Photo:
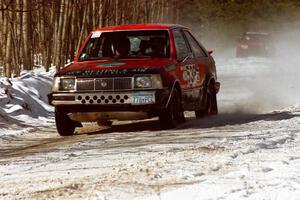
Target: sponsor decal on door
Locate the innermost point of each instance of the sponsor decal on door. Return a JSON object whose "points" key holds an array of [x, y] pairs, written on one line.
{"points": [[191, 74]]}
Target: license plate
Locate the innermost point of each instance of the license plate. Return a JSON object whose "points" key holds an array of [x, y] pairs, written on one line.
{"points": [[143, 98]]}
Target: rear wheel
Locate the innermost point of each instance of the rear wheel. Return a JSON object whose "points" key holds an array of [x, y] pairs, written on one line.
{"points": [[64, 125], [213, 108], [173, 114], [211, 105]]}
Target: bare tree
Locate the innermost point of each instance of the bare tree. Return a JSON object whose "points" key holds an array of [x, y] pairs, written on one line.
{"points": [[54, 30], [27, 34]]}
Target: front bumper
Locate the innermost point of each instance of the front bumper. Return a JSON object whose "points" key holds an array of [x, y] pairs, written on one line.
{"points": [[149, 101]]}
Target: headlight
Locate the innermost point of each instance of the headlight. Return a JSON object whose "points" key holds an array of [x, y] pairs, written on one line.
{"points": [[148, 81], [142, 82], [63, 84], [244, 46], [67, 84]]}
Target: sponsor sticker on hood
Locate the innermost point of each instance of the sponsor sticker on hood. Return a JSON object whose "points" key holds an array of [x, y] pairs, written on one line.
{"points": [[112, 72], [111, 64]]}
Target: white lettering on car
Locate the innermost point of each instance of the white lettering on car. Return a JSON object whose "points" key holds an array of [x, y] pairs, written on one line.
{"points": [[96, 35]]}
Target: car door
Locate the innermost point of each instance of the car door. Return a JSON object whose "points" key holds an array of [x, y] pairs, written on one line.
{"points": [[204, 61], [186, 69]]}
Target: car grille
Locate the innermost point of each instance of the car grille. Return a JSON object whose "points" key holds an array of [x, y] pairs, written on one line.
{"points": [[104, 84]]}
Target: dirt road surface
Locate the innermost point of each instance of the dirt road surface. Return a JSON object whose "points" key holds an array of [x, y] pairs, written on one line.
{"points": [[243, 153]]}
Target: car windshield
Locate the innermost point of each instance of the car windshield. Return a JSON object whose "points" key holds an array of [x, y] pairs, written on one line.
{"points": [[126, 45], [256, 36]]}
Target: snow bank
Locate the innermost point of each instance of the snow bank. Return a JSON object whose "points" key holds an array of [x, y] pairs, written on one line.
{"points": [[23, 101]]}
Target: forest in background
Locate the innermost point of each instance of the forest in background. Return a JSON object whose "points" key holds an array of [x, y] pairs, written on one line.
{"points": [[37, 32], [220, 23]]}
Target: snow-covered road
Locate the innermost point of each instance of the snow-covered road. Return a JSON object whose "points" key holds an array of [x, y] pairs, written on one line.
{"points": [[251, 150]]}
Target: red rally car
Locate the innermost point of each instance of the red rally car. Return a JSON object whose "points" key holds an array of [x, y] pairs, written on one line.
{"points": [[133, 72]]}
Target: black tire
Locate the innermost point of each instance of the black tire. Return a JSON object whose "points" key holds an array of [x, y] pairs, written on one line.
{"points": [[173, 114], [104, 123], [200, 113], [213, 109], [64, 125], [211, 105]]}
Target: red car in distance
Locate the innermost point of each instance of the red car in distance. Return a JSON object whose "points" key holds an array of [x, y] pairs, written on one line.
{"points": [[135, 72], [256, 44]]}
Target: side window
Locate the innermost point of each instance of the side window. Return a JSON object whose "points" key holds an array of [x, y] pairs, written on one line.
{"points": [[198, 51], [182, 50]]}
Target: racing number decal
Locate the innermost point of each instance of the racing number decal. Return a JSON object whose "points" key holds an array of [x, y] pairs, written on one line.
{"points": [[191, 74]]}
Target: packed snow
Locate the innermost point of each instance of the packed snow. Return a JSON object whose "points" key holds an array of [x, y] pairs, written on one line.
{"points": [[249, 151]]}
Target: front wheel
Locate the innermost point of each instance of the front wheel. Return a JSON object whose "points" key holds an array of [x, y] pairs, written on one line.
{"points": [[64, 125], [173, 114]]}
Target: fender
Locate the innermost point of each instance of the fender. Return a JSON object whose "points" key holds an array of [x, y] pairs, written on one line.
{"points": [[210, 80]]}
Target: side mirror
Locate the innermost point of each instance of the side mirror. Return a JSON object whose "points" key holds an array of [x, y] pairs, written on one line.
{"points": [[210, 52]]}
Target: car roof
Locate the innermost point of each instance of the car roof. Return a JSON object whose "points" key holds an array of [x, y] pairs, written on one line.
{"points": [[141, 27]]}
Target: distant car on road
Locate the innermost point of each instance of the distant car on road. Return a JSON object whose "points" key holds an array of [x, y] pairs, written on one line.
{"points": [[135, 72], [255, 44]]}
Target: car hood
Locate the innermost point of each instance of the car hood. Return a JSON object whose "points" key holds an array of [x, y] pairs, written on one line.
{"points": [[115, 67]]}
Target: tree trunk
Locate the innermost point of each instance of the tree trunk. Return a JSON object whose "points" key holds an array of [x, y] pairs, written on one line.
{"points": [[27, 34], [8, 50], [19, 52], [59, 36], [83, 28], [2, 31]]}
